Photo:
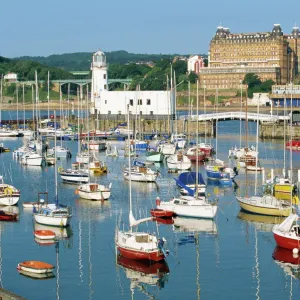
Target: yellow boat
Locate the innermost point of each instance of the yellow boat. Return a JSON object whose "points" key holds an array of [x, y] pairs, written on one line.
{"points": [[97, 167], [266, 205]]}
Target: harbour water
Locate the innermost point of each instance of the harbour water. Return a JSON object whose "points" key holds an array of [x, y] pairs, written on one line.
{"points": [[228, 258]]}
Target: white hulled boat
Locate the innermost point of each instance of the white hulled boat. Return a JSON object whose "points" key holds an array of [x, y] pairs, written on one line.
{"points": [[32, 159], [9, 195], [179, 161], [94, 191]]}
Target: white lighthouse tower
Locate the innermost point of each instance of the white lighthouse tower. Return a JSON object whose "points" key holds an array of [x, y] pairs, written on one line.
{"points": [[99, 75]]}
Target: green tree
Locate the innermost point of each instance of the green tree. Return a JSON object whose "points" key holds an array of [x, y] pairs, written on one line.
{"points": [[192, 77], [251, 80]]}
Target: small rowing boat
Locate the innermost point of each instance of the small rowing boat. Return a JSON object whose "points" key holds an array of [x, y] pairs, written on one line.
{"points": [[160, 213], [35, 266], [44, 234]]}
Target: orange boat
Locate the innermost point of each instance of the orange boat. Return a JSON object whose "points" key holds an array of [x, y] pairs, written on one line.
{"points": [[44, 234], [160, 213], [35, 266]]}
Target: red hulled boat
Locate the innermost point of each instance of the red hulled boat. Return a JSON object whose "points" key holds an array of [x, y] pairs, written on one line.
{"points": [[192, 154], [287, 234], [207, 149], [160, 213], [294, 144]]}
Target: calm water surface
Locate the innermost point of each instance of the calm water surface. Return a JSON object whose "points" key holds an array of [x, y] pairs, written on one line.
{"points": [[228, 258]]}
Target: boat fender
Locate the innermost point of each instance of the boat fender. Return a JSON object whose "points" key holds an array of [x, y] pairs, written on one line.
{"points": [[157, 201], [8, 191]]}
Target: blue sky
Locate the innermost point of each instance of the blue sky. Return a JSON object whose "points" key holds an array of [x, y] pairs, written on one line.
{"points": [[36, 27]]}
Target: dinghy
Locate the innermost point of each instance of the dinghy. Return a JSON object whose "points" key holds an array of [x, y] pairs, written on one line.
{"points": [[35, 266]]}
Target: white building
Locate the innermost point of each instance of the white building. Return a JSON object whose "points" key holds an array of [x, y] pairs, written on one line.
{"points": [[261, 99], [11, 77], [108, 104], [195, 63]]}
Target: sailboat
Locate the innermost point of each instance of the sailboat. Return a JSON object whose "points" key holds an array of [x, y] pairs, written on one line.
{"points": [[218, 171], [255, 165], [4, 131], [76, 174], [135, 244], [191, 205], [9, 195], [287, 234], [52, 214], [93, 191]]}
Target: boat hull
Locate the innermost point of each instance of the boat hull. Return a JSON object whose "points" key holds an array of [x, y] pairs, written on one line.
{"points": [[9, 200], [52, 221], [36, 267], [286, 242], [158, 157], [159, 213], [74, 178], [141, 255], [141, 177], [252, 208]]}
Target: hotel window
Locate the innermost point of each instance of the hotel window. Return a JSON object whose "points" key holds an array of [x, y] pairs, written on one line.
{"points": [[151, 113], [140, 102], [105, 101], [131, 102], [109, 112], [119, 112], [141, 113], [104, 76], [148, 102], [105, 86]]}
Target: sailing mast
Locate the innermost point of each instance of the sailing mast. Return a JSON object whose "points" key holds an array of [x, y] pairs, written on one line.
{"points": [[78, 109], [204, 104], [23, 107], [241, 114], [131, 218], [217, 103], [284, 137], [197, 143], [256, 157], [291, 140], [17, 91], [55, 159], [36, 102], [48, 95]]}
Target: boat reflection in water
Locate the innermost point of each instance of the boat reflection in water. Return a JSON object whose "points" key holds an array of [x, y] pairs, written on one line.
{"points": [[261, 222], [93, 210], [220, 190], [142, 273], [289, 261], [37, 275], [61, 233], [182, 224]]}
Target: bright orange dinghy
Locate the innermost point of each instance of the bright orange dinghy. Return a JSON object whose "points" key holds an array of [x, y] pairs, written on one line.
{"points": [[35, 266]]}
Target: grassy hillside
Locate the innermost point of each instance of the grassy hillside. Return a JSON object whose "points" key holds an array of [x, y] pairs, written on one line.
{"points": [[81, 61]]}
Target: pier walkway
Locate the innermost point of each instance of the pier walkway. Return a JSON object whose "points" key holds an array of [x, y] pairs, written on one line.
{"points": [[234, 115]]}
